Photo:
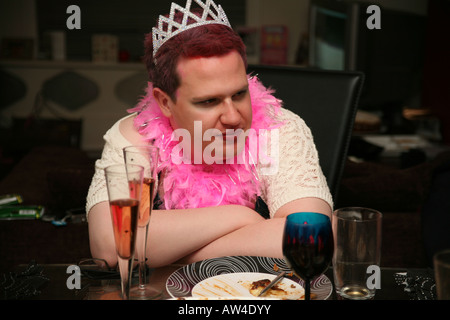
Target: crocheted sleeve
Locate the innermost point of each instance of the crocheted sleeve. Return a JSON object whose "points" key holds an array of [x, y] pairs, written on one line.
{"points": [[299, 174], [112, 154]]}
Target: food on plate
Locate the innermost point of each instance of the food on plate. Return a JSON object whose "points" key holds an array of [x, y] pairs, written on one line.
{"points": [[275, 292], [276, 269], [260, 285], [247, 284]]}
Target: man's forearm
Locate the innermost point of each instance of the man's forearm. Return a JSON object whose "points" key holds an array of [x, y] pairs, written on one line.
{"points": [[174, 234], [258, 239]]}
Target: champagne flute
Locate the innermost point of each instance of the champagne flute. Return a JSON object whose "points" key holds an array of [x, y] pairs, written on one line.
{"points": [[124, 184], [308, 245], [146, 156]]}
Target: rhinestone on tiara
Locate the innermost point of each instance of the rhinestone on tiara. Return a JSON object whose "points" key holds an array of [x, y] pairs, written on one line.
{"points": [[173, 28]]}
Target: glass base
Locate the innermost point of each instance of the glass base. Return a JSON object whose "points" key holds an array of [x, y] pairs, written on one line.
{"points": [[355, 292], [144, 293]]}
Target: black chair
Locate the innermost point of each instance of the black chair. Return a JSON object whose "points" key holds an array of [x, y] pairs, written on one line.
{"points": [[327, 101]]}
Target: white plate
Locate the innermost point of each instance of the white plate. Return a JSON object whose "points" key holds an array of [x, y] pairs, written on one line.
{"points": [[239, 284], [181, 283]]}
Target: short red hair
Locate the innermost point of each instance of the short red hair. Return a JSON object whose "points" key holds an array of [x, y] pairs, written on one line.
{"points": [[203, 41]]}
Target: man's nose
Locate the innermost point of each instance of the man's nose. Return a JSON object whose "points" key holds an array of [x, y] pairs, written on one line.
{"points": [[230, 115]]}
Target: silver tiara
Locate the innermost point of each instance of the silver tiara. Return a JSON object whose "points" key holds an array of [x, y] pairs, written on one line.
{"points": [[173, 28]]}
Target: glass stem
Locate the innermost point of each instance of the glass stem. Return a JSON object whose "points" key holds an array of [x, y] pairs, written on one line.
{"points": [[307, 289], [142, 234], [125, 268]]}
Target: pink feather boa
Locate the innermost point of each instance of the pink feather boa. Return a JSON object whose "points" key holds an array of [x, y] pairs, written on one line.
{"points": [[201, 185]]}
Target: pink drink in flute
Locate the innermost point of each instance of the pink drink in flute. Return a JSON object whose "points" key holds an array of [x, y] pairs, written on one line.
{"points": [[124, 183], [124, 214]]}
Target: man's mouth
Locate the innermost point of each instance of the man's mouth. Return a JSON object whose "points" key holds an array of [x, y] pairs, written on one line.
{"points": [[231, 136]]}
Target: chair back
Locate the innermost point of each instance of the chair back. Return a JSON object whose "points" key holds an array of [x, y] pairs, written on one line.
{"points": [[327, 101]]}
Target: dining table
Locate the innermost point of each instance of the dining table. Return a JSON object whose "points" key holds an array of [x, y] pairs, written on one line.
{"points": [[95, 293], [98, 284]]}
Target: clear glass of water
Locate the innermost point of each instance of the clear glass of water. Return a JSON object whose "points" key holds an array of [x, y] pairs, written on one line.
{"points": [[357, 251]]}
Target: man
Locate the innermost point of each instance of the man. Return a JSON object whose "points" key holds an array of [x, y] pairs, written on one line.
{"points": [[199, 85]]}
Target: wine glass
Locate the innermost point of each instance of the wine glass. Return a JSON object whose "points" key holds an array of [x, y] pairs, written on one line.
{"points": [[308, 245], [124, 184], [146, 156]]}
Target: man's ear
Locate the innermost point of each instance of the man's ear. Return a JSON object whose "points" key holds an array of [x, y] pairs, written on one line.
{"points": [[164, 102]]}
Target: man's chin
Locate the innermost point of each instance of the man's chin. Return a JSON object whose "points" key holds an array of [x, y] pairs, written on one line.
{"points": [[227, 153]]}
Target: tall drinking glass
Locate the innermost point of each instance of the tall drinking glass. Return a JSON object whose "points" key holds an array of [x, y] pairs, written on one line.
{"points": [[147, 157], [124, 183], [357, 252], [308, 245]]}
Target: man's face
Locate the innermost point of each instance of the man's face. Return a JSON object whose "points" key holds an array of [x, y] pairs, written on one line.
{"points": [[215, 92]]}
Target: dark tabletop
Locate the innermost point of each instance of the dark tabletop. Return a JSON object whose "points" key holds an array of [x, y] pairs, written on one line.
{"points": [[58, 275]]}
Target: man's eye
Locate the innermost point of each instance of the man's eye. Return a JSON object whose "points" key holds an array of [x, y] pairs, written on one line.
{"points": [[207, 102], [240, 94]]}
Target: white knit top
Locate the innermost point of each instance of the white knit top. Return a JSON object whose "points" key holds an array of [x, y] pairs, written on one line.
{"points": [[298, 173]]}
